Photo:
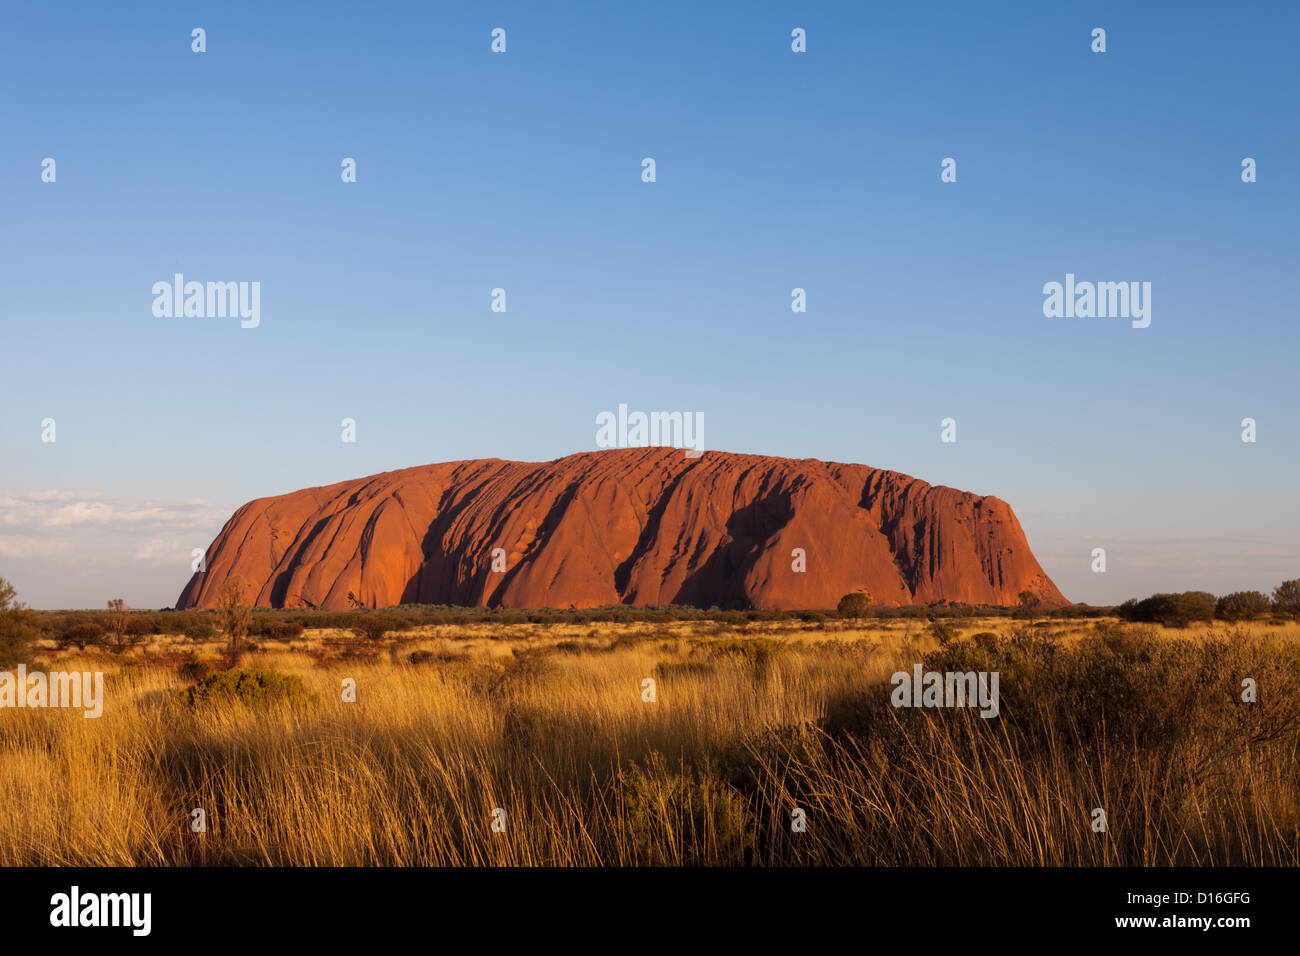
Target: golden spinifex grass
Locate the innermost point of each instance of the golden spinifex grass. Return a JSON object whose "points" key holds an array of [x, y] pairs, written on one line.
{"points": [[548, 723]]}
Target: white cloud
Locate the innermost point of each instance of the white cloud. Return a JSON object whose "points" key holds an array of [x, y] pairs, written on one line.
{"points": [[159, 553], [79, 548], [25, 546], [37, 511]]}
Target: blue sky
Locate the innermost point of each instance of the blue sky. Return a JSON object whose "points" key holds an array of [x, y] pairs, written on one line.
{"points": [[775, 170]]}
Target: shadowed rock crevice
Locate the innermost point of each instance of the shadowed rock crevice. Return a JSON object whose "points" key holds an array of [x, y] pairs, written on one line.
{"points": [[720, 579], [649, 534]]}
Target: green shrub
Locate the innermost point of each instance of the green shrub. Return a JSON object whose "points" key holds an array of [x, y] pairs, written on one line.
{"points": [[1241, 606], [79, 634], [1028, 606], [854, 605], [1171, 610], [200, 629], [139, 627], [252, 687]]}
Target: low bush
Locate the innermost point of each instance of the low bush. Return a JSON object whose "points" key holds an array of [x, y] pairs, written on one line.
{"points": [[251, 687], [1241, 606], [854, 605], [1171, 610], [759, 652], [943, 632], [200, 629]]}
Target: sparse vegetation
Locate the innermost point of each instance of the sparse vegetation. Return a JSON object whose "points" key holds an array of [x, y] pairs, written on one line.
{"points": [[200, 628], [371, 627], [943, 632], [753, 718], [121, 632], [16, 630], [1029, 602], [235, 613]]}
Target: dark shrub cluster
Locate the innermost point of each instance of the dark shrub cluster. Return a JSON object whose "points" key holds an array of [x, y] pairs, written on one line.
{"points": [[854, 605], [1241, 606], [252, 686], [1172, 610], [16, 629]]}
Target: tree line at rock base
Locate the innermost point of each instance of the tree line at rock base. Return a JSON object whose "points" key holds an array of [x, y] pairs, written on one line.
{"points": [[118, 628]]}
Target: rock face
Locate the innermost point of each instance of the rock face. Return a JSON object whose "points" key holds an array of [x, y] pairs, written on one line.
{"points": [[644, 526]]}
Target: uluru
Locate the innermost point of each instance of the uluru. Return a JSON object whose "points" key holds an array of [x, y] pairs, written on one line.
{"points": [[638, 526]]}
